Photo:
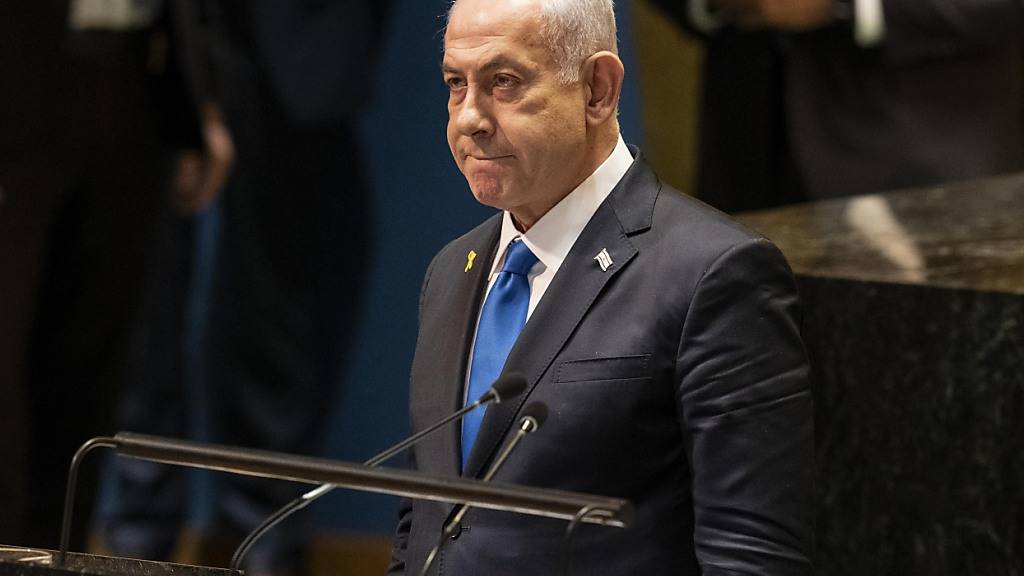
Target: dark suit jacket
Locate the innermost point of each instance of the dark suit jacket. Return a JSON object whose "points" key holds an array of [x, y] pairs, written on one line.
{"points": [[305, 63], [677, 379], [940, 99]]}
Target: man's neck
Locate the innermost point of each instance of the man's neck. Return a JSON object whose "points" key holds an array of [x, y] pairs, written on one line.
{"points": [[602, 149]]}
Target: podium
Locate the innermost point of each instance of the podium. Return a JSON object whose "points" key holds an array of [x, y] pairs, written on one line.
{"points": [[36, 562], [570, 506], [913, 306]]}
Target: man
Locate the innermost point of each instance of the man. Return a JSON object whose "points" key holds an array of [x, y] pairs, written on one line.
{"points": [[279, 88], [88, 114], [872, 95], [662, 337]]}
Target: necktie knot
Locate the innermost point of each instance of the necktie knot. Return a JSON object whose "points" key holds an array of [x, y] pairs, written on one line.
{"points": [[519, 259]]}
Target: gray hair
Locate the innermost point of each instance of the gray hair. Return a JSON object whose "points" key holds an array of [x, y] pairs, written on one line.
{"points": [[575, 30]]}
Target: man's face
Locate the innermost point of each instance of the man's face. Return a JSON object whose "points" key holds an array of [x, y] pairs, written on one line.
{"points": [[517, 134]]}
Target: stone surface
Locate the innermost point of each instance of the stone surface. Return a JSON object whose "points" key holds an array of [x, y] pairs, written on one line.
{"points": [[914, 320], [968, 235], [27, 562]]}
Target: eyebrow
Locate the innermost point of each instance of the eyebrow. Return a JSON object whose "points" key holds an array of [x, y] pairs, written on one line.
{"points": [[496, 62]]}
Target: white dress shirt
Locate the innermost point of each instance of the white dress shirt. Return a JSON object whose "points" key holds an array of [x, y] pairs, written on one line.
{"points": [[551, 237]]}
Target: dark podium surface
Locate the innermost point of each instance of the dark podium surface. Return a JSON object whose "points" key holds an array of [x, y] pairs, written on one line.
{"points": [[25, 562], [914, 321]]}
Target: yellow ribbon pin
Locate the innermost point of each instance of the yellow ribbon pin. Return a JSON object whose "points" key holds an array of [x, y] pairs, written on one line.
{"points": [[469, 260]]}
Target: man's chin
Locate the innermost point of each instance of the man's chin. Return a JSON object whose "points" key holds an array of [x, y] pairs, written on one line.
{"points": [[490, 195]]}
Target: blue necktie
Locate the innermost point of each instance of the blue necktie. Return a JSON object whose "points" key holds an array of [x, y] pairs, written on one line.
{"points": [[501, 320]]}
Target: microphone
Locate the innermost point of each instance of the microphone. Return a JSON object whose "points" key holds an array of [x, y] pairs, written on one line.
{"points": [[533, 416], [505, 387]]}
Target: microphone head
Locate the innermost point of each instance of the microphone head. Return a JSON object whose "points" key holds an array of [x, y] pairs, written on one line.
{"points": [[533, 416], [505, 387]]}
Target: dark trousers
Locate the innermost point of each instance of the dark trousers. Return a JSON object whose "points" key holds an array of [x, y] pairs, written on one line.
{"points": [[80, 193], [149, 499], [294, 247], [745, 157]]}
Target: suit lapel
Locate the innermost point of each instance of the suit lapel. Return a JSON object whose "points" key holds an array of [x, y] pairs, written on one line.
{"points": [[571, 294], [465, 299]]}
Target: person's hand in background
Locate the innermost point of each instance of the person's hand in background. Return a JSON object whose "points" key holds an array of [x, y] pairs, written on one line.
{"points": [[786, 15], [200, 176]]}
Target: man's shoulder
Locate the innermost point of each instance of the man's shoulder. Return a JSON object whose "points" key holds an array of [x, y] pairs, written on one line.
{"points": [[687, 222], [691, 243], [643, 201]]}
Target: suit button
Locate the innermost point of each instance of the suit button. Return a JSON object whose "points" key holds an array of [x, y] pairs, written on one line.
{"points": [[458, 532]]}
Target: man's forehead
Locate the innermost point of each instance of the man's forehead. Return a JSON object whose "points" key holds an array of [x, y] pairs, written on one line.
{"points": [[483, 18], [512, 46], [488, 54]]}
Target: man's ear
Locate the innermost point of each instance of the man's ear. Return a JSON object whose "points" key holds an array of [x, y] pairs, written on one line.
{"points": [[602, 73]]}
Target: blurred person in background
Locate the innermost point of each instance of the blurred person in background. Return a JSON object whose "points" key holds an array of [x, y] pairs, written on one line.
{"points": [[812, 99], [88, 114], [278, 87]]}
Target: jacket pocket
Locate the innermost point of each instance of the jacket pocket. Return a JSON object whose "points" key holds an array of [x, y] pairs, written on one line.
{"points": [[600, 369]]}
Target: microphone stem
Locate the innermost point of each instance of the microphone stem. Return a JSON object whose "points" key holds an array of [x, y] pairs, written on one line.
{"points": [[307, 498], [387, 454], [69, 495], [498, 462], [449, 529]]}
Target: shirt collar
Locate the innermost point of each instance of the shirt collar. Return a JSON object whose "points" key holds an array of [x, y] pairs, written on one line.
{"points": [[551, 237]]}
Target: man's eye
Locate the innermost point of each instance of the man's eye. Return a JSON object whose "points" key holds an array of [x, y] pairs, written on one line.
{"points": [[454, 83], [505, 81]]}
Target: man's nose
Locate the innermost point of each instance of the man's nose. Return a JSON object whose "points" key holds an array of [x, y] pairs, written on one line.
{"points": [[474, 114]]}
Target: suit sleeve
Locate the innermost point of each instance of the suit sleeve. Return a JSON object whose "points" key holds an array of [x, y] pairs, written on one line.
{"points": [[746, 409], [918, 30], [193, 37], [915, 30], [400, 545], [691, 15], [401, 540]]}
